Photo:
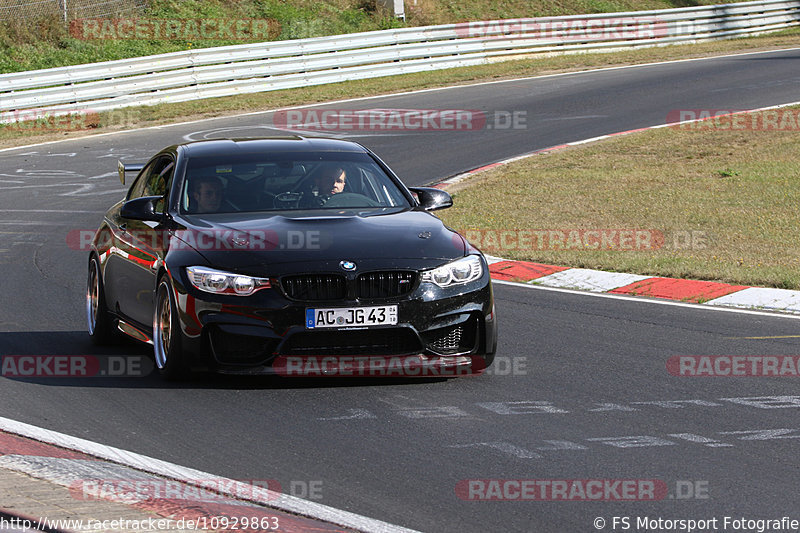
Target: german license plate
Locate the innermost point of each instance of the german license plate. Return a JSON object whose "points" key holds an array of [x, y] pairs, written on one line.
{"points": [[342, 317]]}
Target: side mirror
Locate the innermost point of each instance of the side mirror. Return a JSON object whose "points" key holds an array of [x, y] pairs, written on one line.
{"points": [[431, 199], [143, 208]]}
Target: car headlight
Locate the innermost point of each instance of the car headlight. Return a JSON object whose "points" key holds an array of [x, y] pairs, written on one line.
{"points": [[463, 270], [219, 282]]}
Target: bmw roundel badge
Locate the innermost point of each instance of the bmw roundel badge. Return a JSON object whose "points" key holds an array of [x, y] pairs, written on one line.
{"points": [[347, 265]]}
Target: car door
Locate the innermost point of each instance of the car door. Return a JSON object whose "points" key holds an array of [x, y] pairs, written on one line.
{"points": [[140, 244]]}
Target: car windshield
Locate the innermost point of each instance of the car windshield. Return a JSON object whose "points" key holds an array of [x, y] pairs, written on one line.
{"points": [[287, 181]]}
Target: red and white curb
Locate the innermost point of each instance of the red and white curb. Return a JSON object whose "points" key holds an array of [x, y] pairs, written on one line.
{"points": [[684, 290], [71, 462]]}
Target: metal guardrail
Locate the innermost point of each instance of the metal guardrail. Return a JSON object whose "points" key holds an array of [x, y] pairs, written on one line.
{"points": [[274, 65]]}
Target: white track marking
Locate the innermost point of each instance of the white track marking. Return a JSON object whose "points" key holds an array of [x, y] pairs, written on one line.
{"points": [[589, 280], [762, 298]]}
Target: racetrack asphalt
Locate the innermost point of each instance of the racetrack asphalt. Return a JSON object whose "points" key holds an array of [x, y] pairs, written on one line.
{"points": [[580, 389]]}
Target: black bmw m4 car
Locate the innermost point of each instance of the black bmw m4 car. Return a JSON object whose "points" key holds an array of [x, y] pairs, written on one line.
{"points": [[294, 255]]}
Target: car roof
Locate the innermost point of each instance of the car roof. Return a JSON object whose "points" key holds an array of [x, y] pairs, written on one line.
{"points": [[292, 143]]}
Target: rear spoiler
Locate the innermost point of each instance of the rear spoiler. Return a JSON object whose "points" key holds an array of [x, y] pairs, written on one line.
{"points": [[122, 168]]}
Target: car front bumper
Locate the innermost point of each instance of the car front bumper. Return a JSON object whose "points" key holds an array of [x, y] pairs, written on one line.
{"points": [[438, 329]]}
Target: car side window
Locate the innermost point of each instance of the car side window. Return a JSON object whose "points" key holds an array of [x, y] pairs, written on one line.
{"points": [[137, 189], [154, 180], [159, 181]]}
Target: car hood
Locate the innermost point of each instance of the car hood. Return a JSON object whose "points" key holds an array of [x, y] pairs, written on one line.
{"points": [[242, 241]]}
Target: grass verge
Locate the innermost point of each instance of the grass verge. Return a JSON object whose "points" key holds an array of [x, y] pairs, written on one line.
{"points": [[133, 117], [717, 200], [33, 34]]}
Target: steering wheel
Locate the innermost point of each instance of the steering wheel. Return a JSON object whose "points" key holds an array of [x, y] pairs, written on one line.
{"points": [[287, 200]]}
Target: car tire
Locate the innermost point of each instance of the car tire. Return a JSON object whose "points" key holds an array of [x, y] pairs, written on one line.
{"points": [[100, 322], [169, 357]]}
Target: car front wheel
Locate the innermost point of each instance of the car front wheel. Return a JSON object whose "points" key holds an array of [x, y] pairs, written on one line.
{"points": [[169, 357], [99, 321]]}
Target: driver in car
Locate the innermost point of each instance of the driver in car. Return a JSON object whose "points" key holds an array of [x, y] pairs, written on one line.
{"points": [[208, 194], [330, 181]]}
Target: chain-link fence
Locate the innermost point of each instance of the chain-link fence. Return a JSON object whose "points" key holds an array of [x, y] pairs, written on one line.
{"points": [[67, 9]]}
